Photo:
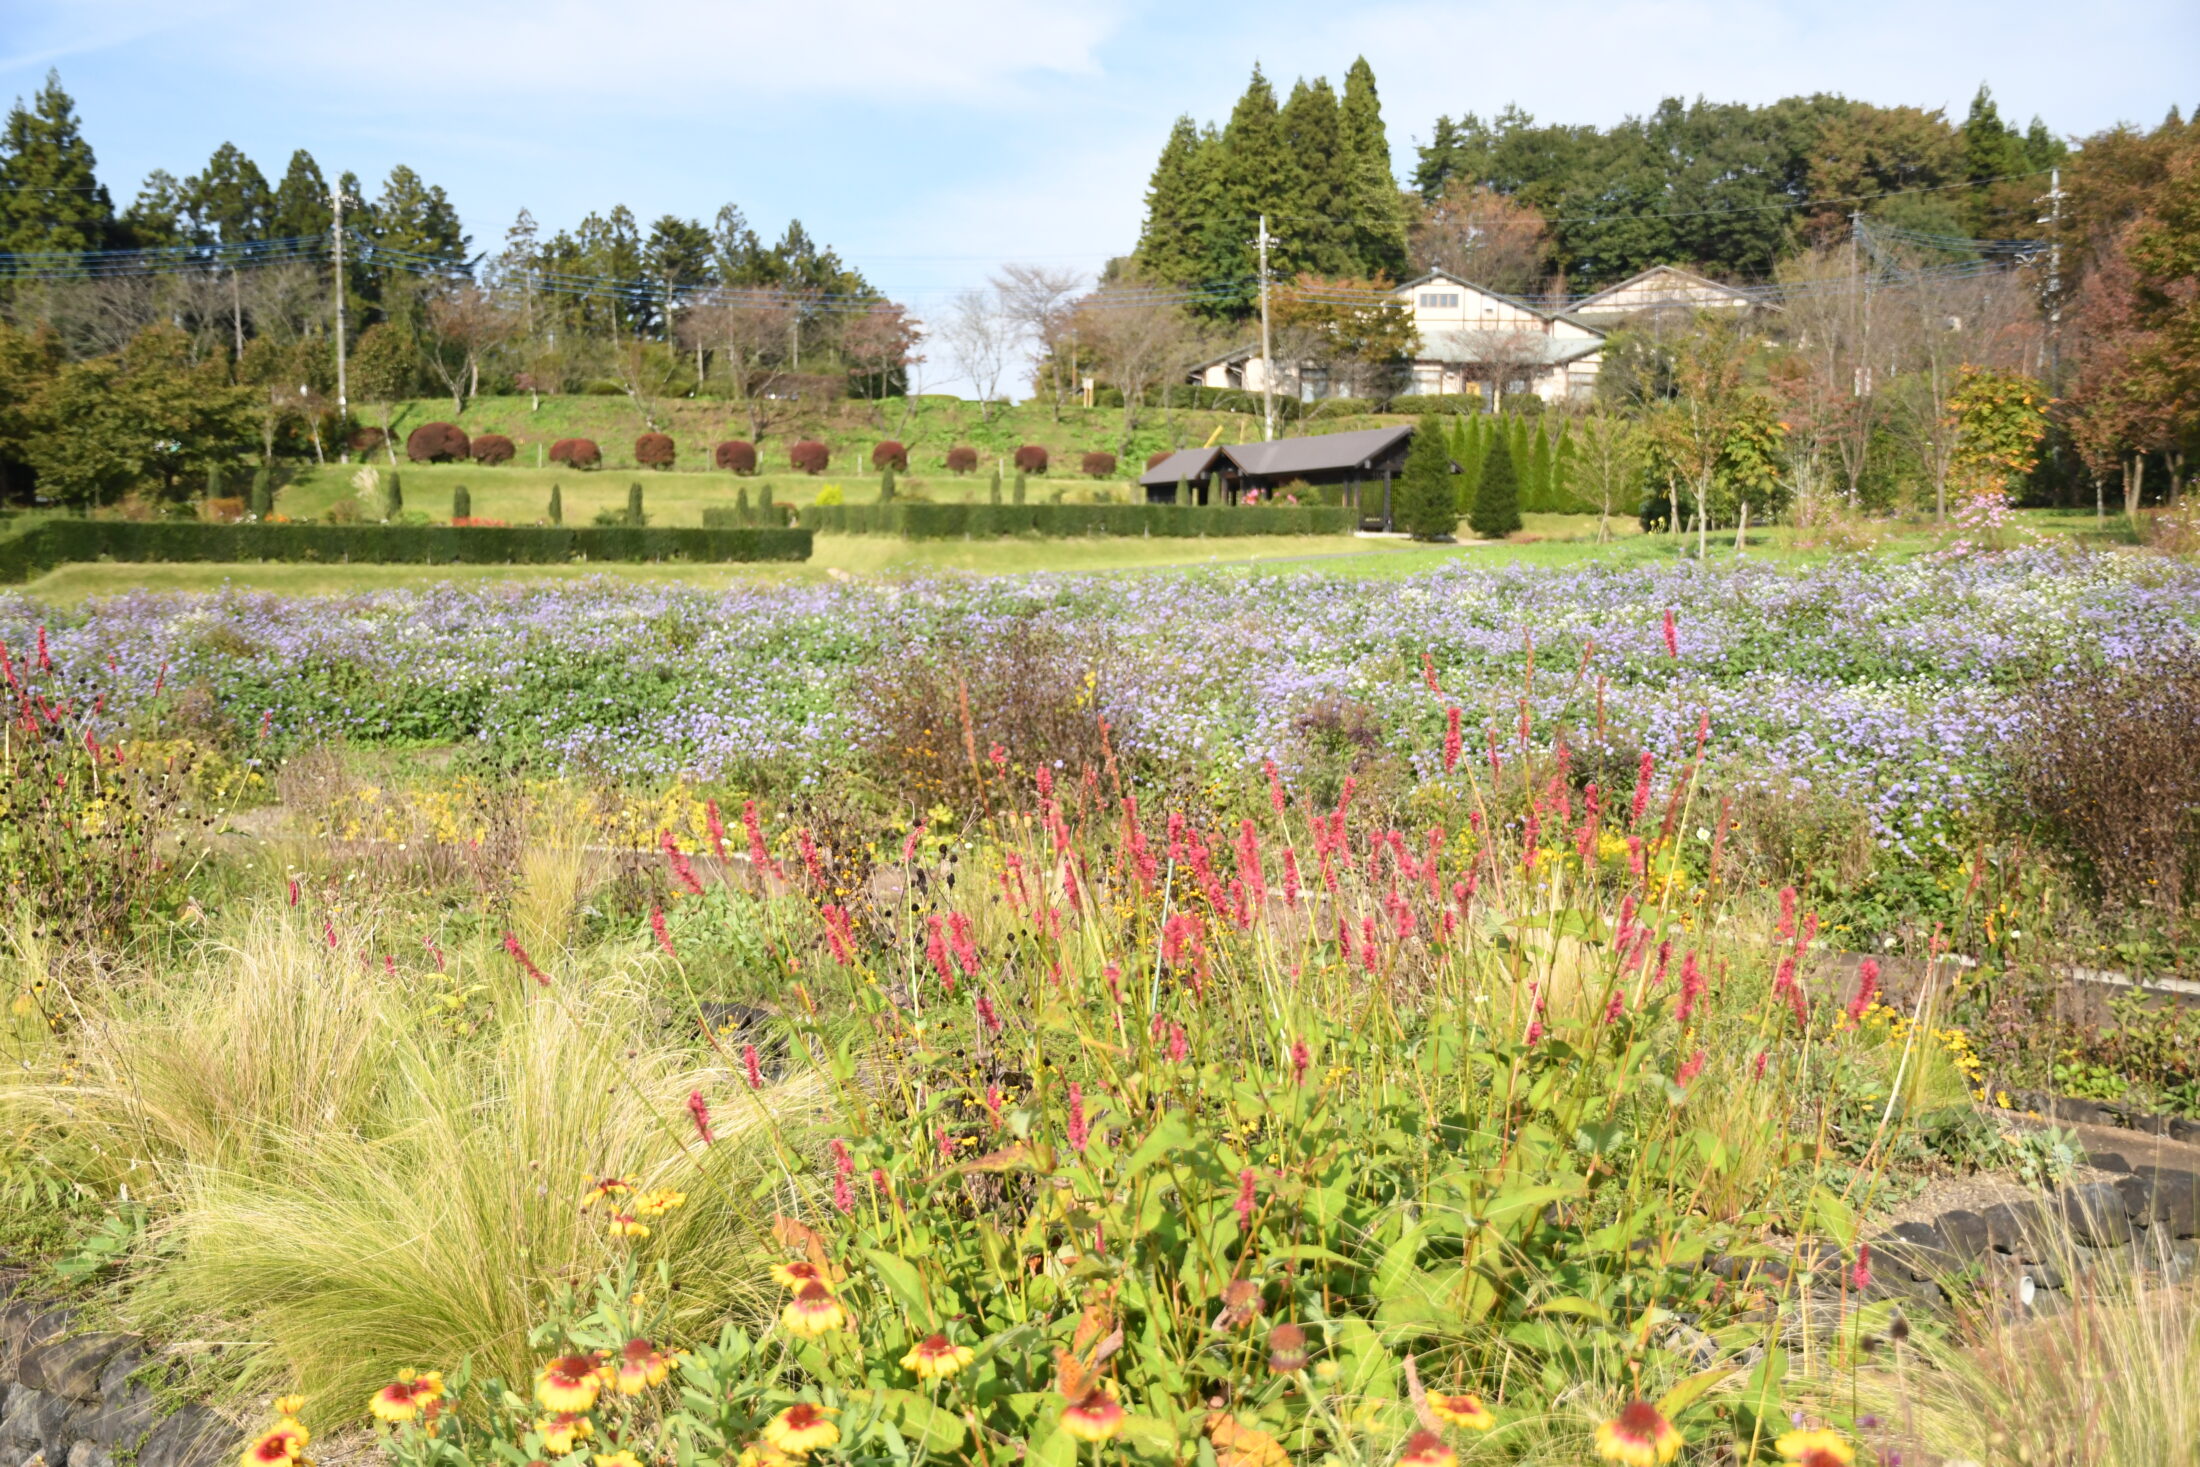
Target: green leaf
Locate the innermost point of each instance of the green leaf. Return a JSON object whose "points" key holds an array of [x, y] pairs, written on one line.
{"points": [[929, 1427], [1686, 1394], [902, 1282], [1058, 1450], [1574, 1304], [1836, 1217], [1171, 1134]]}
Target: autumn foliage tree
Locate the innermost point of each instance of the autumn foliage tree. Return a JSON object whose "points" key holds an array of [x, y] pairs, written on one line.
{"points": [[1098, 464], [1031, 458], [492, 449], [962, 459], [810, 456], [889, 454], [655, 451], [735, 454], [579, 453], [437, 443]]}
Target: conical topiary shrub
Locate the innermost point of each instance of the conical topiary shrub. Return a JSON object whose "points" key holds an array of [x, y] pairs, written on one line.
{"points": [[462, 504], [634, 515], [557, 505], [1496, 511]]}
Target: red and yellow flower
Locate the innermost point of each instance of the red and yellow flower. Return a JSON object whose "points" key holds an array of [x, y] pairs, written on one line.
{"points": [[407, 1397], [801, 1271], [1239, 1445], [605, 1188], [658, 1201], [1815, 1448], [1639, 1436], [620, 1458], [627, 1225], [815, 1310], [1427, 1449], [569, 1383], [936, 1357], [801, 1429], [1467, 1411], [1095, 1418], [562, 1431], [281, 1445], [763, 1454], [637, 1367]]}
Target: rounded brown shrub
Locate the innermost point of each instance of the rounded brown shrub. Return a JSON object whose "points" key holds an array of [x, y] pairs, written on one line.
{"points": [[736, 454], [365, 440], [1032, 459], [961, 459], [578, 453], [492, 449], [810, 456], [890, 455], [1154, 459], [654, 451], [436, 443], [1098, 464]]}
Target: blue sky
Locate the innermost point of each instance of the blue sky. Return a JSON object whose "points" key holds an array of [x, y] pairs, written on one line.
{"points": [[929, 143]]}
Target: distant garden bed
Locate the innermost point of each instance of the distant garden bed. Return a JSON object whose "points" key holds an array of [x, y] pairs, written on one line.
{"points": [[40, 545], [919, 521]]}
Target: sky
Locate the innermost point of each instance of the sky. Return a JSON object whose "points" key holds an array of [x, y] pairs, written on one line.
{"points": [[929, 143]]}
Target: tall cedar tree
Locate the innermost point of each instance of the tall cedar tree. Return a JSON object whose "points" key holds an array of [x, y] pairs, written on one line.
{"points": [[1496, 512], [1377, 211], [1315, 224], [50, 197], [1425, 506]]}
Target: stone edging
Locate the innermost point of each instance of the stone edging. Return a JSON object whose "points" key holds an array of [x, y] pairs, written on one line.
{"points": [[69, 1399], [2105, 1113]]}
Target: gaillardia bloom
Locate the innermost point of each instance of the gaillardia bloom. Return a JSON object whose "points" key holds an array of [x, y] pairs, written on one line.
{"points": [[1818, 1448], [404, 1398], [638, 1367], [1467, 1411], [288, 1407], [620, 1458], [1096, 1418], [763, 1454], [1638, 1437], [607, 1187], [815, 1310], [564, 1431], [279, 1447], [801, 1429], [1427, 1449], [1239, 1445], [795, 1275], [569, 1383], [1286, 1349], [658, 1201], [626, 1225], [935, 1357]]}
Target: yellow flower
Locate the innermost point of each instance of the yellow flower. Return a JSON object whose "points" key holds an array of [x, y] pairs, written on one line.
{"points": [[801, 1429], [638, 1367], [1467, 1411], [406, 1397], [1239, 1445], [658, 1201], [813, 1311], [607, 1187], [1427, 1449], [564, 1431], [278, 1447], [1816, 1448], [1096, 1418], [1638, 1437], [763, 1454], [569, 1383], [624, 1225], [289, 1406], [935, 1357], [620, 1458]]}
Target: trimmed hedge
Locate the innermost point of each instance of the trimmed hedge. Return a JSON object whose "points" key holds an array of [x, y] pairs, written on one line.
{"points": [[492, 449], [48, 543], [1032, 458], [655, 451], [890, 454], [961, 459], [579, 453], [918, 521], [810, 456], [736, 454], [437, 443]]}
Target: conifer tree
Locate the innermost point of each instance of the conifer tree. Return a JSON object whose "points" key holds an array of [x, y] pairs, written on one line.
{"points": [[1316, 220], [634, 515], [1426, 506], [393, 496], [764, 498], [1019, 495], [462, 504], [557, 504], [262, 503], [1377, 213], [1179, 204], [886, 485], [741, 502], [1183, 489], [1538, 495], [993, 491], [1259, 175], [1497, 498], [50, 196], [213, 481]]}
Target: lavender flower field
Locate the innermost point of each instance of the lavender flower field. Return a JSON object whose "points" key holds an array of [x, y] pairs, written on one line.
{"points": [[1882, 684]]}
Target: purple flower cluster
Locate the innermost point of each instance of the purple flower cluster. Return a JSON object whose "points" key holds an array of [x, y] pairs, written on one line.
{"points": [[1884, 684]]}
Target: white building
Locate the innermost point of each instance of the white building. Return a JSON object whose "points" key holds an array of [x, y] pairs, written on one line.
{"points": [[1471, 340], [1662, 288]]}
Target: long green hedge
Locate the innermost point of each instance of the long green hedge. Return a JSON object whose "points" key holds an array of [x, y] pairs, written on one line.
{"points": [[43, 544], [921, 521]]}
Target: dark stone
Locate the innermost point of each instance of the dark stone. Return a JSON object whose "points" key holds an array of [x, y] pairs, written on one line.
{"points": [[69, 1365], [2176, 1200], [2044, 1275], [2138, 1195], [2107, 1161], [2181, 1129], [88, 1453], [125, 1416], [38, 1418], [120, 1366], [193, 1437], [2083, 1112], [2095, 1214], [2151, 1124], [25, 1323], [1918, 1249], [2018, 1229], [1965, 1232]]}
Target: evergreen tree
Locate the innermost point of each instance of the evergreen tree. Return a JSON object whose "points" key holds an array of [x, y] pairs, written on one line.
{"points": [[886, 485], [764, 498], [1019, 495], [50, 195], [557, 504], [1183, 489], [462, 504], [634, 515], [1496, 511], [157, 220], [993, 494], [1538, 495], [1316, 220], [300, 207], [1378, 240], [262, 501], [230, 201], [1425, 505], [213, 481], [1259, 175], [741, 502], [393, 496], [1171, 247]]}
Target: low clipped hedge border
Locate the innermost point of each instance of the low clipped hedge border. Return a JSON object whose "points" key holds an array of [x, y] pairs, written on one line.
{"points": [[919, 521], [42, 546]]}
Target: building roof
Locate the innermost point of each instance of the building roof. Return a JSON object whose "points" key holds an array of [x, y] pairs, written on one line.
{"points": [[1544, 312], [1320, 453], [1185, 463], [1525, 348], [1690, 289]]}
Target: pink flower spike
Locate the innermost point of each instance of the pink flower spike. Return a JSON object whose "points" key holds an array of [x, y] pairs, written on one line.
{"points": [[1079, 1130], [1244, 1204], [1692, 1067], [700, 1110], [1672, 636], [663, 935], [749, 1064], [526, 963]]}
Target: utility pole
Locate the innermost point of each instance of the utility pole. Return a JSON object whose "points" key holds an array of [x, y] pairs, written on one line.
{"points": [[1267, 364], [343, 395], [2053, 220]]}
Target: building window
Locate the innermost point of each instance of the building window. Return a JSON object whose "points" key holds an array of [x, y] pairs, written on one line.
{"points": [[1440, 300]]}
